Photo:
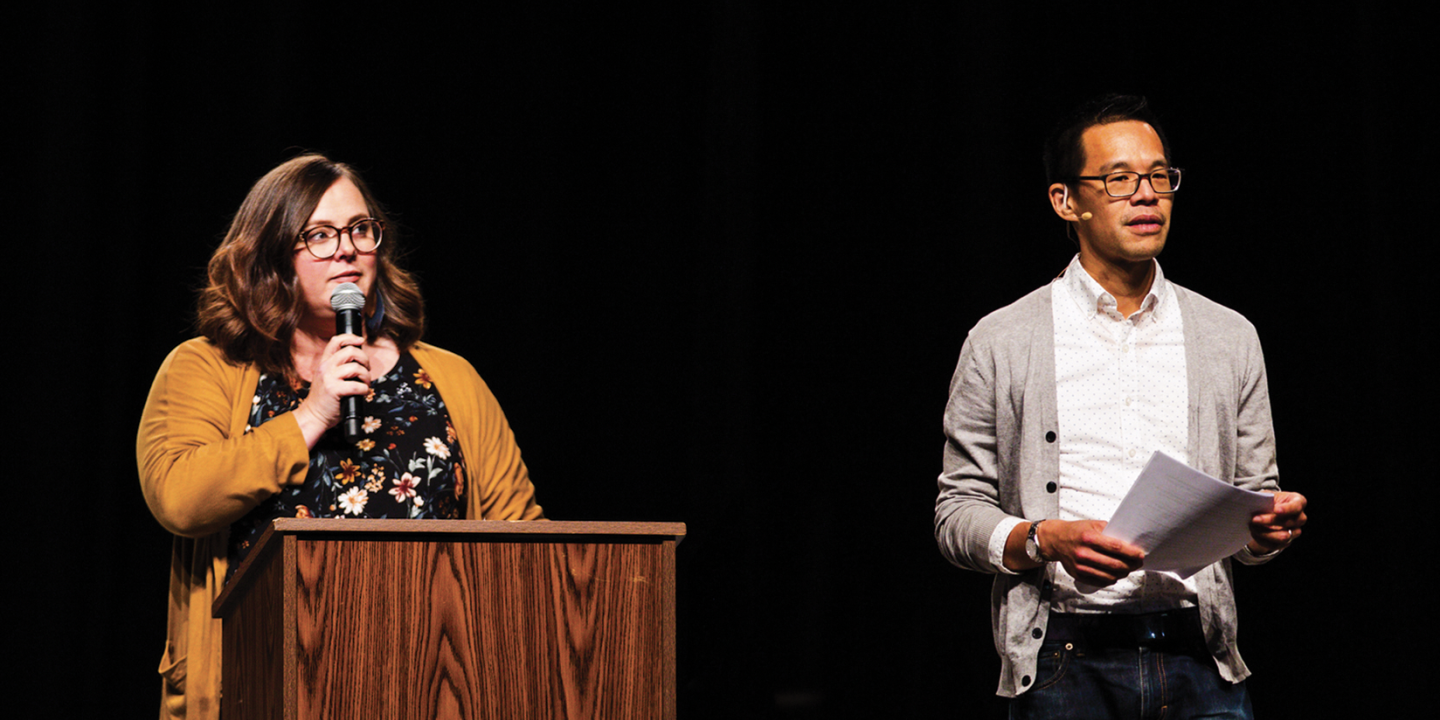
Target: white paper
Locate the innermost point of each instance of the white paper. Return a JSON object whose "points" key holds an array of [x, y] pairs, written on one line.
{"points": [[1182, 518]]}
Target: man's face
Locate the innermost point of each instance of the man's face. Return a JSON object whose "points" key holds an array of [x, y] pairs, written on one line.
{"points": [[1121, 232]]}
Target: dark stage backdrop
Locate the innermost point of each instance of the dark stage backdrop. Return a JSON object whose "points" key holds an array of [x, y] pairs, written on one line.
{"points": [[717, 259]]}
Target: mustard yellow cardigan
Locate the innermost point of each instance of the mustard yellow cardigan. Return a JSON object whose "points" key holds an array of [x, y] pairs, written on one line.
{"points": [[200, 471]]}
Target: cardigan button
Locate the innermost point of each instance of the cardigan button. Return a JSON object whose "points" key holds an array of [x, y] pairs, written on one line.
{"points": [[1037, 633], [1025, 681], [1050, 487], [1050, 436]]}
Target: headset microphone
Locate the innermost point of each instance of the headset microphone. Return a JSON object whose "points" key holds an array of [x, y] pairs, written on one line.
{"points": [[1066, 202]]}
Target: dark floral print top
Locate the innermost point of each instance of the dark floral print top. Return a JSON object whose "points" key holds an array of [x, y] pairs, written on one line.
{"points": [[406, 464]]}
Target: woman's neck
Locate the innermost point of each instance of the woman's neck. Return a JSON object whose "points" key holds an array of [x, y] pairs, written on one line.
{"points": [[306, 350]]}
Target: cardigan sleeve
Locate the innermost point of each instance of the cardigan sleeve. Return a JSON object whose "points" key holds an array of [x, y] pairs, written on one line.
{"points": [[967, 510], [198, 472], [1255, 466]]}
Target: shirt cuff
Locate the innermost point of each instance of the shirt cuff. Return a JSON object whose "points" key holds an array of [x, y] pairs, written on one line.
{"points": [[998, 540]]}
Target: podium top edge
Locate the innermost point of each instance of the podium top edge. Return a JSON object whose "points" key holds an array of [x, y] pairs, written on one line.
{"points": [[270, 539], [492, 527]]}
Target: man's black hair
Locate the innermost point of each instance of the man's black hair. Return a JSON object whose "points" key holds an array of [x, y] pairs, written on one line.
{"points": [[1064, 153]]}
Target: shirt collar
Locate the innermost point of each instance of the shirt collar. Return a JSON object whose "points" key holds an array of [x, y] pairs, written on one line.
{"points": [[1094, 299]]}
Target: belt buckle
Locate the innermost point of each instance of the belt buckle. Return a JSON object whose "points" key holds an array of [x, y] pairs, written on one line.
{"points": [[1152, 630]]}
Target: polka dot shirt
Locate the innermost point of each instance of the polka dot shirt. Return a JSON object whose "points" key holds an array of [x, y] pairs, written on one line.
{"points": [[1121, 394]]}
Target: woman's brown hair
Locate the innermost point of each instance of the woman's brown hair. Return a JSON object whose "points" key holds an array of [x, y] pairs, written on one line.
{"points": [[252, 301]]}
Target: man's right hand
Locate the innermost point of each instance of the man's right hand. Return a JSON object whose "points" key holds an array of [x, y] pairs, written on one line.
{"points": [[1089, 556]]}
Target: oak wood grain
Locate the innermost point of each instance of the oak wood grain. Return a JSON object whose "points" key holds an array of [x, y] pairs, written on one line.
{"points": [[450, 621]]}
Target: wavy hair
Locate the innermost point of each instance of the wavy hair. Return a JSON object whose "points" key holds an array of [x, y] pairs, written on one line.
{"points": [[252, 301]]}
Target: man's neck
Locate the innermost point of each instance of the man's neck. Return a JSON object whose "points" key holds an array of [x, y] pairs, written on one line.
{"points": [[1128, 282]]}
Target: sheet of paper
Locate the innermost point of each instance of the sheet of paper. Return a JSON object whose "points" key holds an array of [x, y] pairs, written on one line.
{"points": [[1182, 518]]}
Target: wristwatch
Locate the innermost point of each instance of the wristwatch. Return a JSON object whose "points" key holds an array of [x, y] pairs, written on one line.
{"points": [[1032, 544]]}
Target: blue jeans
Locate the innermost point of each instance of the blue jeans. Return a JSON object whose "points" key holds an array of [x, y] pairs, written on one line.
{"points": [[1077, 682]]}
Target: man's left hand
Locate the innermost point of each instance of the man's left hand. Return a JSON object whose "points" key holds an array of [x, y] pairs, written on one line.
{"points": [[1274, 530]]}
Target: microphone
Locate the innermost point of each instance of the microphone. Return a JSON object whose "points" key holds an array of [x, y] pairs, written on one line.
{"points": [[348, 301], [1086, 216]]}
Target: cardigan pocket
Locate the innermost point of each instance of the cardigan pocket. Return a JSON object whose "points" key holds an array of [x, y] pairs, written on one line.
{"points": [[172, 673]]}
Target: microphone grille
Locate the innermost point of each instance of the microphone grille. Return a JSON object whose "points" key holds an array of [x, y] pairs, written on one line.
{"points": [[347, 297]]}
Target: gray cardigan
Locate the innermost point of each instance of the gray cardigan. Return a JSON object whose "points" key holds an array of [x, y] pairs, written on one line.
{"points": [[1002, 457]]}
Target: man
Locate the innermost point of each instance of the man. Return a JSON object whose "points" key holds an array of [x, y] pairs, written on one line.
{"points": [[1057, 403]]}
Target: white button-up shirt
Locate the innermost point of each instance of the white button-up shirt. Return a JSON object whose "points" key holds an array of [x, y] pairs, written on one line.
{"points": [[1121, 394]]}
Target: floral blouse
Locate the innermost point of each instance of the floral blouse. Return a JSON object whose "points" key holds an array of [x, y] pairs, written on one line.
{"points": [[406, 464]]}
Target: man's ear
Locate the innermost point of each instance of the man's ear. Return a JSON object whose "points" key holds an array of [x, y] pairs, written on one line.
{"points": [[1060, 202]]}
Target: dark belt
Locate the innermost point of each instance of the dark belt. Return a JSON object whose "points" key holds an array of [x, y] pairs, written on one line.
{"points": [[1170, 631]]}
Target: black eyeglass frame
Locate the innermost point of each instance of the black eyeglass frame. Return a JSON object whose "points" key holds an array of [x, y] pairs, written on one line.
{"points": [[347, 230], [1176, 172]]}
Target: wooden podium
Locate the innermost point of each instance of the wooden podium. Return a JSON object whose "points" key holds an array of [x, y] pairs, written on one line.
{"points": [[452, 619]]}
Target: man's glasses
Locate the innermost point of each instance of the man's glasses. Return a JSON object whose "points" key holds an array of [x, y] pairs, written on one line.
{"points": [[1124, 183]]}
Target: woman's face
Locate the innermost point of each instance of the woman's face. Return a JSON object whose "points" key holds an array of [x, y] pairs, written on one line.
{"points": [[341, 205]]}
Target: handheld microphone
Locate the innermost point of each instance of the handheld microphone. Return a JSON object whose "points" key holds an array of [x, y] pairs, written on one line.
{"points": [[348, 302]]}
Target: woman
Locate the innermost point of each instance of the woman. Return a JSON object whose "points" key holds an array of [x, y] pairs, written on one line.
{"points": [[240, 424]]}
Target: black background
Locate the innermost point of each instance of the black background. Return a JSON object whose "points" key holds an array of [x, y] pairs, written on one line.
{"points": [[717, 260]]}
